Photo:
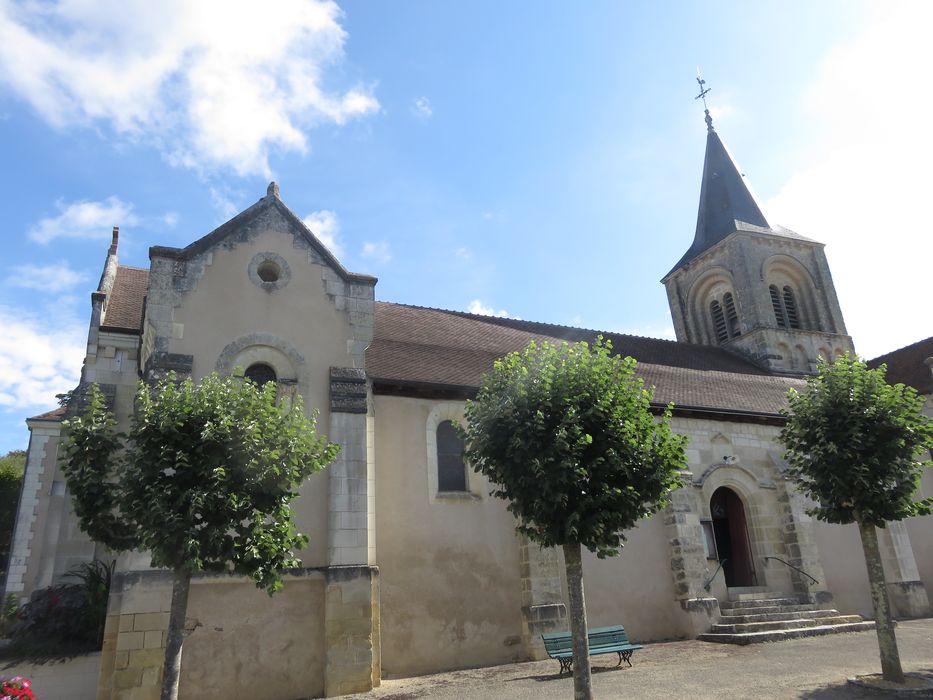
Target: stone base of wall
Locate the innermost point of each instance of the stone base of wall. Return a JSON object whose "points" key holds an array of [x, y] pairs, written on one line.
{"points": [[909, 599], [538, 620], [332, 612], [133, 651], [351, 630], [699, 615]]}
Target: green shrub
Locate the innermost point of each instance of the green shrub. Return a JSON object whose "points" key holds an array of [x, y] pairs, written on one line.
{"points": [[63, 620], [11, 475]]}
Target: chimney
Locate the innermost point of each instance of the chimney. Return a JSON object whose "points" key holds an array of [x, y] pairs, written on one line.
{"points": [[115, 241]]}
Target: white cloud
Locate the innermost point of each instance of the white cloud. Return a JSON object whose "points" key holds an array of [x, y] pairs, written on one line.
{"points": [[53, 278], [325, 225], [721, 112], [214, 84], [37, 363], [83, 219], [223, 202], [865, 189], [422, 109], [478, 307], [463, 253], [377, 251]]}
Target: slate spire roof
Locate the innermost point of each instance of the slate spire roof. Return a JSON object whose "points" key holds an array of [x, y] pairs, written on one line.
{"points": [[726, 202]]}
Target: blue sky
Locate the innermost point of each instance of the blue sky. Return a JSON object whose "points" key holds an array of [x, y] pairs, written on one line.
{"points": [[535, 159]]}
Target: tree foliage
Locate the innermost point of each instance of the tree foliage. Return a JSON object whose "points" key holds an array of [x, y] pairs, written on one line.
{"points": [[203, 480], [854, 444], [12, 466], [567, 435]]}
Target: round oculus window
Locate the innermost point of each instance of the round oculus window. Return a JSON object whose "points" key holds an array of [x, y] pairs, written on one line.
{"points": [[269, 271]]}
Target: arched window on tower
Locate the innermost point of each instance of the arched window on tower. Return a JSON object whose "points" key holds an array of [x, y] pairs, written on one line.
{"points": [[719, 321], [790, 306], [260, 374], [451, 469], [777, 306], [732, 316]]}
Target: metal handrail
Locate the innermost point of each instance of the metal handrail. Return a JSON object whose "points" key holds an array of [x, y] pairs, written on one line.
{"points": [[708, 583], [795, 569]]}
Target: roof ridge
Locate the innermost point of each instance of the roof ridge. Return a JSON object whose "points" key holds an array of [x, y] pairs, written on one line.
{"points": [[133, 267], [505, 320]]}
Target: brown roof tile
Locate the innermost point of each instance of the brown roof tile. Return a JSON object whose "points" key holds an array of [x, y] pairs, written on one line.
{"points": [[125, 305], [907, 366], [451, 348], [54, 415], [417, 345]]}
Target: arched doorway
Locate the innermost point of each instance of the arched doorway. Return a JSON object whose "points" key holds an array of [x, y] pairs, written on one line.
{"points": [[730, 528]]}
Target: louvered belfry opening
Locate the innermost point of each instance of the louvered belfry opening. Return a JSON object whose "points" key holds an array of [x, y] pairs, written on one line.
{"points": [[790, 306], [719, 321], [778, 307], [732, 316], [784, 303]]}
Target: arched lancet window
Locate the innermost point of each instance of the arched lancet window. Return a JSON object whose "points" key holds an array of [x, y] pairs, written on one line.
{"points": [[732, 316], [719, 321], [790, 306], [451, 469], [777, 306], [260, 373]]}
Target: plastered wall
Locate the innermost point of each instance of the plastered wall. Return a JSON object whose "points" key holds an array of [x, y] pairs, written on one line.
{"points": [[450, 575]]}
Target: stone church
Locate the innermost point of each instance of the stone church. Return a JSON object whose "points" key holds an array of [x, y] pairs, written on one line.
{"points": [[412, 567]]}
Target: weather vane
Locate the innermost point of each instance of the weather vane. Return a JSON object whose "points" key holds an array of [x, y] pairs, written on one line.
{"points": [[702, 96]]}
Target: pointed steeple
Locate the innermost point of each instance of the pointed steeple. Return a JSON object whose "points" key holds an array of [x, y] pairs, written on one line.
{"points": [[725, 200]]}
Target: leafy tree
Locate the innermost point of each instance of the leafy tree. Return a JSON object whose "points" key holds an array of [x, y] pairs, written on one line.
{"points": [[567, 435], [12, 466], [853, 443], [203, 481]]}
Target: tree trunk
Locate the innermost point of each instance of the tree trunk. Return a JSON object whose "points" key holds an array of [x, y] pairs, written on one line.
{"points": [[175, 635], [582, 689], [887, 643]]}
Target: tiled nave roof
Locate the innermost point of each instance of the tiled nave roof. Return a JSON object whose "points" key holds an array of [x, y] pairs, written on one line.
{"points": [[414, 345]]}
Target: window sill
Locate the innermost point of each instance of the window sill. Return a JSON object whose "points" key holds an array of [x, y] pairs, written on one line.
{"points": [[457, 496]]}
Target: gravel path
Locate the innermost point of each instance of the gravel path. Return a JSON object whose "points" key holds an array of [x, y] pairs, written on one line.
{"points": [[815, 668]]}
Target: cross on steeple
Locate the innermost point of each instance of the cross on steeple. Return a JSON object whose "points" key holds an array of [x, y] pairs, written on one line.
{"points": [[702, 96]]}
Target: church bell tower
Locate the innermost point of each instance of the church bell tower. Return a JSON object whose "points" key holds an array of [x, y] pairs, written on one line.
{"points": [[760, 290]]}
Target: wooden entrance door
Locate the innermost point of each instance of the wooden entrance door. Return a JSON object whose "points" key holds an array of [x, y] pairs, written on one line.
{"points": [[730, 527]]}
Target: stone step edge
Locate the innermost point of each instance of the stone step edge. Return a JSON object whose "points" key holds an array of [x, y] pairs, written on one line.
{"points": [[780, 635], [760, 602], [780, 625], [764, 610], [779, 616]]}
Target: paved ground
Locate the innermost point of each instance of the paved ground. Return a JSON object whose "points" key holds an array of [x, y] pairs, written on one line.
{"points": [[815, 668]]}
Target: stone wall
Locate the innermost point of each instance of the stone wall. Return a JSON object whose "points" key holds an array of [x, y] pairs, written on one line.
{"points": [[318, 636]]}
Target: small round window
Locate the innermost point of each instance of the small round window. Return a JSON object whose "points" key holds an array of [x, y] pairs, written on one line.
{"points": [[269, 271], [260, 374]]}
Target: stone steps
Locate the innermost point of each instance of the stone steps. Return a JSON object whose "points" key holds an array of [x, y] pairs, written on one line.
{"points": [[753, 616], [779, 635], [778, 616], [769, 609], [798, 623]]}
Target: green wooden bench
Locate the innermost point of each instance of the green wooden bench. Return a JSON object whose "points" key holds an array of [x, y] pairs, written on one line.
{"points": [[603, 640]]}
